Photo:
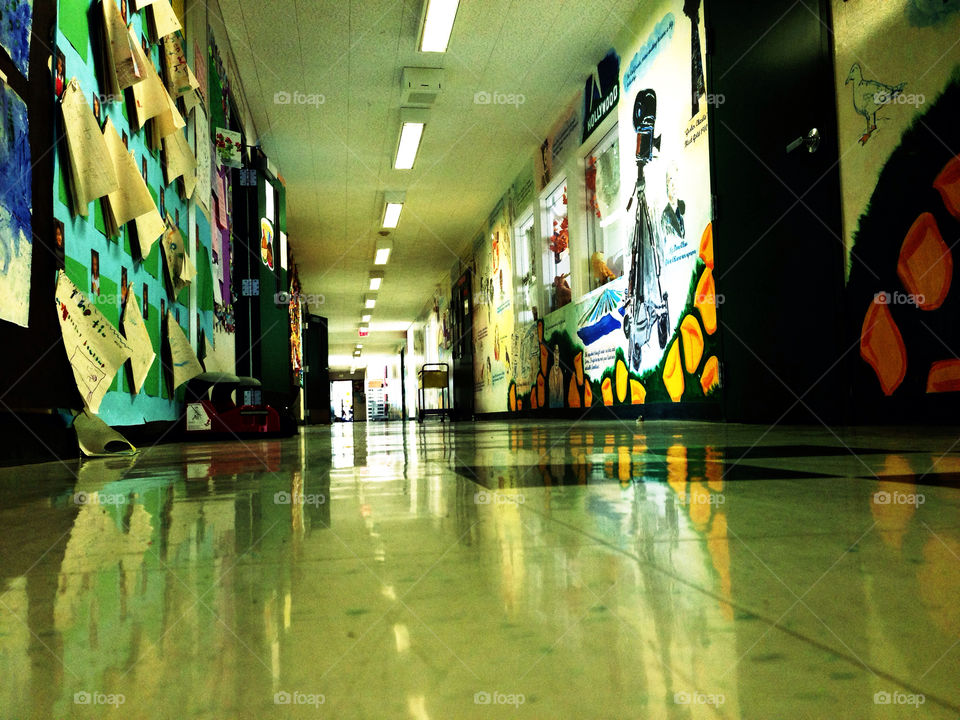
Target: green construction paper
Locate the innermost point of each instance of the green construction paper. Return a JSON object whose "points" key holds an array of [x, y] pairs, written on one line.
{"points": [[74, 24]]}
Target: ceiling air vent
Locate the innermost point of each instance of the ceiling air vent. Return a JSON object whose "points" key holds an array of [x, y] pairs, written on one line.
{"points": [[420, 87]]}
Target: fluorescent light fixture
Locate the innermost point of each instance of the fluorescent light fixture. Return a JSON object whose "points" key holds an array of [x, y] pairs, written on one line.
{"points": [[370, 302], [394, 206], [412, 122], [376, 280], [437, 27], [365, 319], [359, 346], [384, 247]]}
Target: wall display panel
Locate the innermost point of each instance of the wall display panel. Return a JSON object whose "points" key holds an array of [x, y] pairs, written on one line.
{"points": [[647, 333], [105, 258], [897, 106]]}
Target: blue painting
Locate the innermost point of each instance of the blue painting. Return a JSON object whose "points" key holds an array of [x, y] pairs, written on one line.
{"points": [[16, 234], [16, 19]]}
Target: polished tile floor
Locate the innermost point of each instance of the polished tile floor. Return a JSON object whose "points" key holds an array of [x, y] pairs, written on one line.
{"points": [[489, 570]]}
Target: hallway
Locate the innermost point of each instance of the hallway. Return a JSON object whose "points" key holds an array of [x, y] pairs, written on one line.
{"points": [[538, 570]]}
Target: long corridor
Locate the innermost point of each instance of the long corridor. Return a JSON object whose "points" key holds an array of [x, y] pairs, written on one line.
{"points": [[537, 570]]}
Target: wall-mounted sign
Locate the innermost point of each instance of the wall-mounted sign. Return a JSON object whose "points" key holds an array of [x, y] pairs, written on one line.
{"points": [[266, 242], [601, 93], [364, 332]]}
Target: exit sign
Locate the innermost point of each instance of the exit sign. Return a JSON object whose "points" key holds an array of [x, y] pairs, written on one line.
{"points": [[363, 332]]}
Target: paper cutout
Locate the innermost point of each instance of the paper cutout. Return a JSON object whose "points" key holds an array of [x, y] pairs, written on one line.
{"points": [[182, 357], [15, 32], [120, 61], [95, 348], [141, 4], [131, 199], [97, 439], [91, 168], [16, 198], [163, 20], [138, 338], [221, 197], [150, 97], [229, 147], [167, 122]]}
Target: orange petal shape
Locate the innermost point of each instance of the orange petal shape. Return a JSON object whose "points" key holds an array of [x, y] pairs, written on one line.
{"points": [[513, 397], [573, 394], [944, 376], [948, 185], [543, 358], [692, 338], [705, 301], [926, 266], [587, 395], [638, 393], [541, 395], [706, 246], [711, 375], [578, 367], [673, 373], [881, 345], [607, 391]]}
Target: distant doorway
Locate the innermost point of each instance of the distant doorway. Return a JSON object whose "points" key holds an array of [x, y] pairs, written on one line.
{"points": [[341, 400]]}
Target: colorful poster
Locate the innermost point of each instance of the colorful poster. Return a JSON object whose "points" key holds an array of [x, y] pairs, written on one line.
{"points": [[229, 148], [16, 234], [266, 242], [15, 28], [95, 348]]}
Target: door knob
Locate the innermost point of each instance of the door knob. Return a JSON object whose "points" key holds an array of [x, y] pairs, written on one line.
{"points": [[811, 141]]}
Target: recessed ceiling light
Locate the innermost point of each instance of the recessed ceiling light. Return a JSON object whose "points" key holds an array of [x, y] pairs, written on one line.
{"points": [[412, 122], [382, 256], [391, 215], [365, 318], [370, 303], [438, 25]]}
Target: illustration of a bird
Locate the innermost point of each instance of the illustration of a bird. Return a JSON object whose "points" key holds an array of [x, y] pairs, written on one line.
{"points": [[869, 96]]}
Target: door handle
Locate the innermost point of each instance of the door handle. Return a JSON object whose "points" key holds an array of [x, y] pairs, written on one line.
{"points": [[811, 141]]}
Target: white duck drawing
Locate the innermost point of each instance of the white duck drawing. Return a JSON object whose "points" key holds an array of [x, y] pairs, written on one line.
{"points": [[869, 96]]}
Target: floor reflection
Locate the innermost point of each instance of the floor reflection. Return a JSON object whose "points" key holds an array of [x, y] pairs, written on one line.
{"points": [[663, 570]]}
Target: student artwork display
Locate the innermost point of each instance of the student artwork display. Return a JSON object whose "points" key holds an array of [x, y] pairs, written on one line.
{"points": [[131, 199], [16, 207], [95, 348], [16, 22]]}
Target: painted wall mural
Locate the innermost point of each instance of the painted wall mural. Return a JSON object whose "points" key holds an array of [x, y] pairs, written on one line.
{"points": [[15, 27], [16, 234], [648, 334], [900, 173]]}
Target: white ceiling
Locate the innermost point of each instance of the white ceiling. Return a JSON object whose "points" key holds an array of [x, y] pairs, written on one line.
{"points": [[337, 158]]}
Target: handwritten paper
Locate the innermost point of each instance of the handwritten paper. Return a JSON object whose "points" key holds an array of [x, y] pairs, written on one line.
{"points": [[91, 167], [134, 329], [163, 19], [150, 97], [95, 348], [183, 358], [132, 198], [120, 60], [149, 228], [175, 65], [201, 135], [167, 122], [178, 157]]}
